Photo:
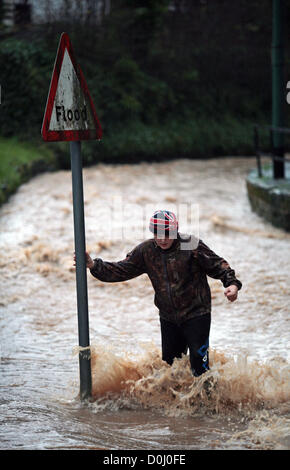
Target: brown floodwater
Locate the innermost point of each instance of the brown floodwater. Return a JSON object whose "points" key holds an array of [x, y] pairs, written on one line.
{"points": [[140, 402]]}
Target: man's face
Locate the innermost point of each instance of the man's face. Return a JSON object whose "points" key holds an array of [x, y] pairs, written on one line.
{"points": [[164, 243]]}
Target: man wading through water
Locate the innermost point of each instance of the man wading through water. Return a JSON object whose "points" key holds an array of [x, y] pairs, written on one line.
{"points": [[177, 266]]}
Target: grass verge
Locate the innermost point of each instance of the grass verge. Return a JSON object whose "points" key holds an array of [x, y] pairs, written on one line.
{"points": [[19, 161]]}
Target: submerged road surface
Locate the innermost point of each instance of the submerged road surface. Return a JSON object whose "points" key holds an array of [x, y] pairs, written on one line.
{"points": [[140, 402]]}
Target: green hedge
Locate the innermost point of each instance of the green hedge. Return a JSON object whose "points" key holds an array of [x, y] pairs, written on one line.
{"points": [[195, 138]]}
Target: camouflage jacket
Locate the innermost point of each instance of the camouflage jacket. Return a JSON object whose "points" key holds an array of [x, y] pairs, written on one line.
{"points": [[178, 275]]}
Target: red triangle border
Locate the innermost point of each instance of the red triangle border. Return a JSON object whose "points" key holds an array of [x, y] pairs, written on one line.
{"points": [[68, 135]]}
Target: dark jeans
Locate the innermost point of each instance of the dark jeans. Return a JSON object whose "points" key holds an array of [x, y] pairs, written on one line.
{"points": [[192, 334]]}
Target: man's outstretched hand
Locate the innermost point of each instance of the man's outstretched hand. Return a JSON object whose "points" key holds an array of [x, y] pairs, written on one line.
{"points": [[231, 292], [89, 261]]}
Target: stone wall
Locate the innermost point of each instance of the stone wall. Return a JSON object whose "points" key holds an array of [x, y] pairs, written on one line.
{"points": [[270, 198]]}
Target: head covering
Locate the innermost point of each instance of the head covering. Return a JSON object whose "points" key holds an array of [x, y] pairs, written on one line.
{"points": [[164, 223]]}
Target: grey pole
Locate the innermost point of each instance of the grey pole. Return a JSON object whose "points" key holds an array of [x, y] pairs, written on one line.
{"points": [[278, 99], [81, 270]]}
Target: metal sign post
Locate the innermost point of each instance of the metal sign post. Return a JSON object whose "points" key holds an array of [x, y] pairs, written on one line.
{"points": [[70, 116], [81, 272], [278, 83]]}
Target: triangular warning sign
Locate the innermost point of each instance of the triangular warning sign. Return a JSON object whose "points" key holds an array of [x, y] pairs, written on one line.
{"points": [[70, 113]]}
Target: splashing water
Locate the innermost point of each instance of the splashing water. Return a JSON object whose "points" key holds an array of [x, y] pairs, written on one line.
{"points": [[236, 385]]}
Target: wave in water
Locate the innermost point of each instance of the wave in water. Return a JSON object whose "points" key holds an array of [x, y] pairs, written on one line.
{"points": [[233, 384]]}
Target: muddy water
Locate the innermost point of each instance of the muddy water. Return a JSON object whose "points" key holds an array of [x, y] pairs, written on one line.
{"points": [[140, 402]]}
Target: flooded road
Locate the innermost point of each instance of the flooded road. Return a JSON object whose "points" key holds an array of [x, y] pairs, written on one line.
{"points": [[139, 401]]}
